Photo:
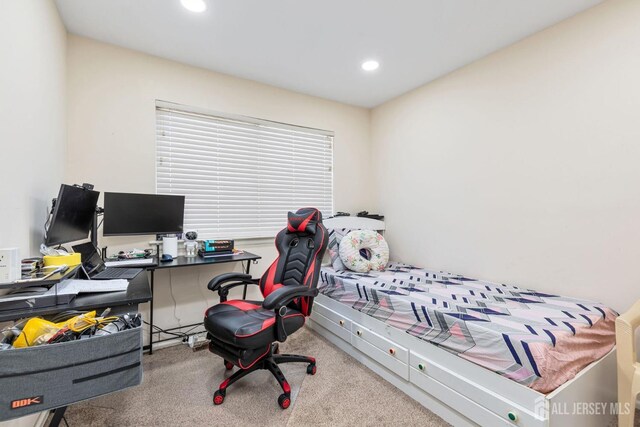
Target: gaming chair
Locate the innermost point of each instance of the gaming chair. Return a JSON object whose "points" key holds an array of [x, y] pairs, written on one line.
{"points": [[244, 333]]}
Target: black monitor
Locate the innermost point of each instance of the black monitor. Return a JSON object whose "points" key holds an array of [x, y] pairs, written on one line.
{"points": [[73, 215], [130, 214]]}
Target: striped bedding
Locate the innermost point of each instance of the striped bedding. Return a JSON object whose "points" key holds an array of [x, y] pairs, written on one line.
{"points": [[537, 339]]}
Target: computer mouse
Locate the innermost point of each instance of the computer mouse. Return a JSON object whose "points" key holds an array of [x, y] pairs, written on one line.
{"points": [[166, 258]]}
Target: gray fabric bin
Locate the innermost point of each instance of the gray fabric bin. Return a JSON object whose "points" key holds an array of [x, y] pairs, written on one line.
{"points": [[39, 378]]}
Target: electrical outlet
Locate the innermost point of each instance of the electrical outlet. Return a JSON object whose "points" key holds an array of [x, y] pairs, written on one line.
{"points": [[197, 340]]}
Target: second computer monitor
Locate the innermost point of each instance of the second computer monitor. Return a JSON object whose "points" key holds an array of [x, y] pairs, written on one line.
{"points": [[72, 215], [131, 213]]}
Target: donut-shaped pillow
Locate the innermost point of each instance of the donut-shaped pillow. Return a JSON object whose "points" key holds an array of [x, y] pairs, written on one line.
{"points": [[364, 250]]}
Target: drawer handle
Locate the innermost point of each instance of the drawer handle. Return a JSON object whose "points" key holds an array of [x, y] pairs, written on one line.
{"points": [[359, 333], [392, 351], [421, 366], [341, 322], [512, 416]]}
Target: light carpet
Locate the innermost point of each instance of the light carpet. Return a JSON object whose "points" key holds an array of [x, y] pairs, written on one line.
{"points": [[178, 387]]}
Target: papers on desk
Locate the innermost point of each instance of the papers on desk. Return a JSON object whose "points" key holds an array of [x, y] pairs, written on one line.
{"points": [[75, 286]]}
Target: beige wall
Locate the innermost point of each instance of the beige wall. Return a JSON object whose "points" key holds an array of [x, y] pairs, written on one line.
{"points": [[524, 166], [111, 143], [32, 118]]}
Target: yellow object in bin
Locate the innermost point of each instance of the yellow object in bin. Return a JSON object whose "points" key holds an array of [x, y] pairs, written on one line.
{"points": [[36, 331], [69, 260]]}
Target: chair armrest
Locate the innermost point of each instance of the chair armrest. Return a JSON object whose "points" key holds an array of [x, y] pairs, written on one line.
{"points": [[221, 283], [216, 282], [281, 297]]}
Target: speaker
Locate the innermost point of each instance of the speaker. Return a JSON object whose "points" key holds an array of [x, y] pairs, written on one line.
{"points": [[170, 246]]}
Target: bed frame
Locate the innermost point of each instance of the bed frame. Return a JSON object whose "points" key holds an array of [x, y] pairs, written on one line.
{"points": [[459, 391]]}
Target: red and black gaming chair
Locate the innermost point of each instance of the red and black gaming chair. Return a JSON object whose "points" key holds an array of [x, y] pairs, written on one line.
{"points": [[244, 333]]}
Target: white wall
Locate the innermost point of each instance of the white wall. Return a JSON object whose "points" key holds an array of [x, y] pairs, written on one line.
{"points": [[32, 118], [111, 143], [523, 167], [32, 125]]}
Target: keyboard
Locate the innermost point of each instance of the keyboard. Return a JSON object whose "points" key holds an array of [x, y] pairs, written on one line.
{"points": [[117, 273], [134, 262]]}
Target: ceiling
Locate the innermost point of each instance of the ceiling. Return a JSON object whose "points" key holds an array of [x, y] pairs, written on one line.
{"points": [[316, 46]]}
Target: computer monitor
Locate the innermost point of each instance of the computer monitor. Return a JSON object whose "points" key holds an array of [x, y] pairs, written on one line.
{"points": [[73, 215], [130, 214]]}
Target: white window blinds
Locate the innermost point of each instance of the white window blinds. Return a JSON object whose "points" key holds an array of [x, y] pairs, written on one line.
{"points": [[240, 175]]}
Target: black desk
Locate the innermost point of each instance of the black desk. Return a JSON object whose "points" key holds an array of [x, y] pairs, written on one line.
{"points": [[182, 261], [137, 293]]}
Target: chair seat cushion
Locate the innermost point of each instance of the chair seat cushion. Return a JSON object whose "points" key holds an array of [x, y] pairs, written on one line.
{"points": [[245, 324]]}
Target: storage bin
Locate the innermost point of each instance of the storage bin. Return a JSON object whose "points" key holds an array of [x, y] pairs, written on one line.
{"points": [[45, 377]]}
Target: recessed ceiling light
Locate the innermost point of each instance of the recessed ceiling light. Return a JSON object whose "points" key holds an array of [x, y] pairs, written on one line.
{"points": [[194, 5], [370, 65]]}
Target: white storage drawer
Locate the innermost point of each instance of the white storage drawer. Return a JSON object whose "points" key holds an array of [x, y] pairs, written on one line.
{"points": [[458, 401], [332, 321], [423, 372], [382, 350]]}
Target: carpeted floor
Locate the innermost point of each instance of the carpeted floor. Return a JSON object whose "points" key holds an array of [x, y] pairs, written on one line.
{"points": [[178, 388], [179, 383]]}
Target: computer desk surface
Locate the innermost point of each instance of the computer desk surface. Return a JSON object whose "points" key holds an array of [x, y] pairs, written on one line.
{"points": [[138, 292], [183, 261]]}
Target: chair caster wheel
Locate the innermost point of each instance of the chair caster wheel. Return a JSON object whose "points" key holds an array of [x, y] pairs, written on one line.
{"points": [[311, 369], [284, 401], [218, 397], [228, 365]]}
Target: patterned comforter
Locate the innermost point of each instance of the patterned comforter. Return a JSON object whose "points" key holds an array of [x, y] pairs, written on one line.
{"points": [[537, 339]]}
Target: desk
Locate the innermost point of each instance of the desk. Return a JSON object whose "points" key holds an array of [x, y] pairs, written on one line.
{"points": [[180, 262], [137, 293]]}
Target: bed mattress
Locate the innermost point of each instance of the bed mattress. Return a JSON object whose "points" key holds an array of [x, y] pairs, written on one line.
{"points": [[540, 340]]}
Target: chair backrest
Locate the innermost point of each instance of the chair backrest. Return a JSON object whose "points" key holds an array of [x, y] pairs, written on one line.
{"points": [[300, 247]]}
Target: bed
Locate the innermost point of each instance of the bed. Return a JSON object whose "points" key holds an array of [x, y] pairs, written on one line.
{"points": [[472, 351]]}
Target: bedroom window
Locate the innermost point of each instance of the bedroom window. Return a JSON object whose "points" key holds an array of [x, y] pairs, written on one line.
{"points": [[240, 175]]}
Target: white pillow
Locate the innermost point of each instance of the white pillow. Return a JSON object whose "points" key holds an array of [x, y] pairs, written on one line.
{"points": [[371, 242]]}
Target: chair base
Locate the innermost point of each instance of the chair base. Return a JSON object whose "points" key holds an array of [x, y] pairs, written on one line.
{"points": [[270, 362]]}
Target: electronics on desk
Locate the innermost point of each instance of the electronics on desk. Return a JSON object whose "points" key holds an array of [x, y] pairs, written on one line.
{"points": [[95, 267], [131, 262], [138, 214], [365, 214], [217, 245], [170, 246], [214, 248], [10, 269], [73, 214], [135, 254], [190, 243], [31, 264]]}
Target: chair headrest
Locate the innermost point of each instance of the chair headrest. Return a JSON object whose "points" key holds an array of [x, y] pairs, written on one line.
{"points": [[304, 221]]}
